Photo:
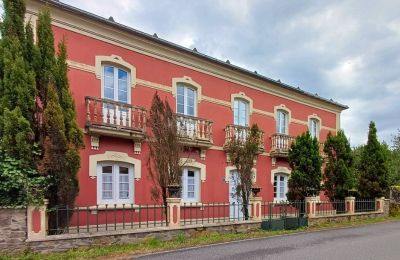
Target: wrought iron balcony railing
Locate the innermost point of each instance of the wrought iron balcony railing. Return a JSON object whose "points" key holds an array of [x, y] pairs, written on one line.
{"points": [[107, 117], [241, 133], [194, 131]]}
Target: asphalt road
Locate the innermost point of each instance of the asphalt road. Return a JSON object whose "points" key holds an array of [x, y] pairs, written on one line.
{"points": [[378, 241]]}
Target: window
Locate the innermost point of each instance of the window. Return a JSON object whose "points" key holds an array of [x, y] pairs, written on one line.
{"points": [[280, 187], [314, 128], [190, 185], [282, 122], [114, 183], [241, 112], [186, 100], [115, 84]]}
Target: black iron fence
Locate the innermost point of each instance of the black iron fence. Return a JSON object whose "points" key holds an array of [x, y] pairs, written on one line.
{"points": [[67, 220], [365, 205], [329, 208]]}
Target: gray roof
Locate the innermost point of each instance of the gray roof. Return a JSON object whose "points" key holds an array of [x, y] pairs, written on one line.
{"points": [[194, 52]]}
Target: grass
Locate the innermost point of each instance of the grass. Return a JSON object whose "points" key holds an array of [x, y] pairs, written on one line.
{"points": [[180, 241]]}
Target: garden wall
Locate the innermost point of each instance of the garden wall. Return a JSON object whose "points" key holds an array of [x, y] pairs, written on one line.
{"points": [[13, 229]]}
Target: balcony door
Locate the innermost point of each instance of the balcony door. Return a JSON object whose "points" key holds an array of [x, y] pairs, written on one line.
{"points": [[116, 88], [186, 106], [241, 118]]}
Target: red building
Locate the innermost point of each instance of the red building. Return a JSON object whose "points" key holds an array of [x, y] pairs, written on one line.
{"points": [[114, 72]]}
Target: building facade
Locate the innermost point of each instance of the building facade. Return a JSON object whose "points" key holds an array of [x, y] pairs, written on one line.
{"points": [[114, 71]]}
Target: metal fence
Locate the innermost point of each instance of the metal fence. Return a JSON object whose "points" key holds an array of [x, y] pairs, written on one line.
{"points": [[275, 210], [329, 208], [365, 205], [66, 220], [200, 213]]}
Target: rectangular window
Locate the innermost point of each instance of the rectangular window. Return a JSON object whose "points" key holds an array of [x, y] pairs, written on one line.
{"points": [[190, 185], [314, 128], [282, 122], [186, 100], [280, 187], [115, 183], [240, 112], [115, 84]]}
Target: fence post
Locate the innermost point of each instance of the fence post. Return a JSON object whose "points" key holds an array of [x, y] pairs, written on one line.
{"points": [[350, 203], [255, 203], [379, 204], [174, 212], [37, 221], [311, 203]]}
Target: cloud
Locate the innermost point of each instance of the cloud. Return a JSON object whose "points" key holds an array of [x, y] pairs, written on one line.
{"points": [[346, 49]]}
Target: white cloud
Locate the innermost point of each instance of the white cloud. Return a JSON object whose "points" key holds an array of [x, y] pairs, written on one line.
{"points": [[346, 73]]}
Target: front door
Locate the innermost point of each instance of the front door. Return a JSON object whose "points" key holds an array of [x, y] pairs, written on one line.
{"points": [[235, 202]]}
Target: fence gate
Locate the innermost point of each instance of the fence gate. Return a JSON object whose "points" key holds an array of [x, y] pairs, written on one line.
{"points": [[285, 215]]}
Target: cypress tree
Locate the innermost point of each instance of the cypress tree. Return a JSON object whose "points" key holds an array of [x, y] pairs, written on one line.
{"points": [[305, 161], [373, 168], [339, 176]]}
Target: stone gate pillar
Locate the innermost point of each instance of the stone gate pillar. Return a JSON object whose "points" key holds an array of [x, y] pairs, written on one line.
{"points": [[174, 212], [311, 204], [37, 221], [255, 204], [350, 205]]}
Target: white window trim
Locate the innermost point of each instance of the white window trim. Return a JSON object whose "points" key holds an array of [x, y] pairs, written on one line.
{"points": [[116, 80], [185, 80], [190, 162], [286, 122], [228, 170], [197, 184], [115, 200], [285, 186], [186, 86], [115, 157], [244, 101], [280, 171], [315, 117], [242, 95], [116, 61], [289, 115]]}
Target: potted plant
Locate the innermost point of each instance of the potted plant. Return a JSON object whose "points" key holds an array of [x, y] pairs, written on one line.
{"points": [[174, 190]]}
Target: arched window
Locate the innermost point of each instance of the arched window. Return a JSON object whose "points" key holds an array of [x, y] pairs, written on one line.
{"points": [[282, 122], [240, 112], [116, 83], [191, 184]]}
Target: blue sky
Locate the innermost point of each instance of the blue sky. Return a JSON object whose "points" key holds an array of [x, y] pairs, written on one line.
{"points": [[345, 50]]}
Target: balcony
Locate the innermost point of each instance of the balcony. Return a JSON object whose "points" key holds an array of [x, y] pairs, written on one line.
{"points": [[281, 144], [194, 131], [241, 133], [110, 118]]}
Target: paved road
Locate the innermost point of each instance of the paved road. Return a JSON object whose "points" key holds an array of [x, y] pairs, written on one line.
{"points": [[378, 241]]}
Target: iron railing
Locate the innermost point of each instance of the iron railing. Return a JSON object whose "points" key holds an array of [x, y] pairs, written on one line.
{"points": [[201, 213], [67, 220], [330, 208], [277, 210], [365, 205]]}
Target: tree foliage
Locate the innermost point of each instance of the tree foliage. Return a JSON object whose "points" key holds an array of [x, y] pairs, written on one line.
{"points": [[338, 176], [373, 167], [242, 153], [165, 149], [306, 162]]}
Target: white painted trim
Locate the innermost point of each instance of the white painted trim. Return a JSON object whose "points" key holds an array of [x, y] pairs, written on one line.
{"points": [[230, 168], [189, 162], [116, 61], [114, 157], [280, 170], [242, 95], [187, 81]]}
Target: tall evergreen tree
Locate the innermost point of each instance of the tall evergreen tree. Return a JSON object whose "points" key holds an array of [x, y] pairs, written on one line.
{"points": [[373, 168], [339, 176], [306, 162]]}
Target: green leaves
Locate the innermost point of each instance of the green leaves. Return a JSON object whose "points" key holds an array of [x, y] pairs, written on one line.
{"points": [[306, 162]]}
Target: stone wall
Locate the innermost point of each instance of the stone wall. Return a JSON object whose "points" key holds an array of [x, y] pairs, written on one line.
{"points": [[13, 229], [345, 217], [64, 242]]}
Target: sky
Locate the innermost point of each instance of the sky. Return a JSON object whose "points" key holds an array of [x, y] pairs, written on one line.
{"points": [[345, 50]]}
